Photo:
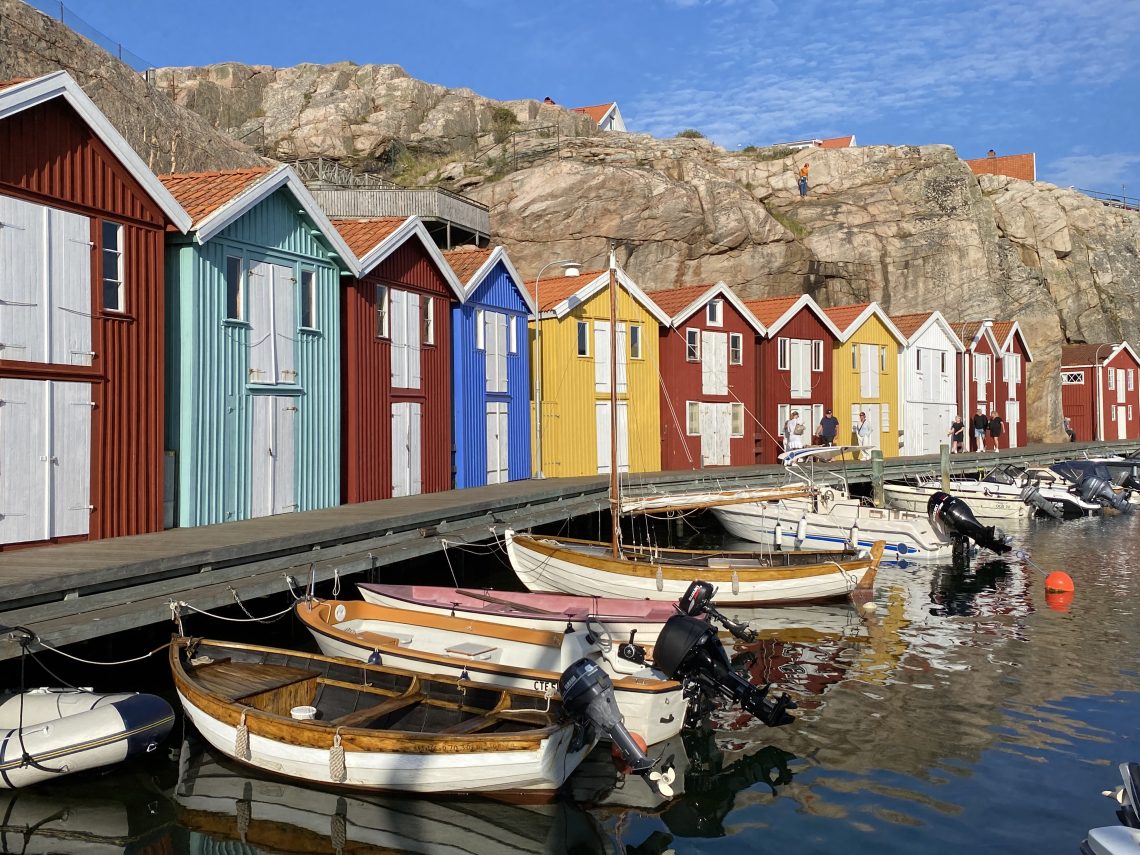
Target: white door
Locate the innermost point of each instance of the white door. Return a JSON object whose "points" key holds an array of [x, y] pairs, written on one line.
{"points": [[714, 363], [1120, 377], [1121, 420], [260, 297], [716, 433], [602, 424], [407, 453], [284, 324], [495, 350], [273, 470], [497, 455], [69, 460], [869, 371], [69, 318], [601, 356], [1012, 419], [799, 355], [22, 263]]}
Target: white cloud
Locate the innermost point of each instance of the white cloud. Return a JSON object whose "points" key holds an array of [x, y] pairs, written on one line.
{"points": [[1103, 172]]}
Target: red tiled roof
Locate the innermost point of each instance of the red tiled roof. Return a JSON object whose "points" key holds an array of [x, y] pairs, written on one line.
{"points": [[1023, 166], [908, 324], [202, 193], [362, 236], [1086, 354], [838, 142], [554, 289], [673, 300], [966, 330], [770, 309], [597, 112], [466, 260], [1002, 329], [843, 316]]}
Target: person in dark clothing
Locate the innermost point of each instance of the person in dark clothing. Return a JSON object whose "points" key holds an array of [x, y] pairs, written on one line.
{"points": [[979, 423], [828, 429], [1072, 434], [995, 428], [957, 434]]}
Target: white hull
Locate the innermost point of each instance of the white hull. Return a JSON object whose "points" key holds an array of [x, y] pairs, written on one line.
{"points": [[833, 529], [540, 770], [72, 731], [654, 715], [914, 499], [540, 571]]}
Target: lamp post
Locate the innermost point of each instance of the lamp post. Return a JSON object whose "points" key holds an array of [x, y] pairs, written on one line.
{"points": [[570, 268]]}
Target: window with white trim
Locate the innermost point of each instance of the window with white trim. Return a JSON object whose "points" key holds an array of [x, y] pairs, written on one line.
{"points": [[513, 334], [1129, 412], [692, 345], [381, 297], [854, 357], [480, 338], [738, 419], [235, 288], [943, 355], [735, 349], [1112, 413], [429, 320], [981, 368], [882, 359], [635, 341], [1131, 379], [1111, 380], [583, 338], [714, 313], [1072, 378], [114, 299], [308, 299], [782, 354], [817, 355], [693, 418]]}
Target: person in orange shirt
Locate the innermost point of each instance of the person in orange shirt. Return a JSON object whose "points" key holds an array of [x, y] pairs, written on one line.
{"points": [[803, 179]]}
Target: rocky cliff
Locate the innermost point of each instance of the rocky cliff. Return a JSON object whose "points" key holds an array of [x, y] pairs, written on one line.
{"points": [[910, 227], [168, 137]]}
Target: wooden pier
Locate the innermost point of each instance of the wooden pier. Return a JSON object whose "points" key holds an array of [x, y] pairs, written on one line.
{"points": [[74, 592]]}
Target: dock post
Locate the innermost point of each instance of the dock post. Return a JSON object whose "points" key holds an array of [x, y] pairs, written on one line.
{"points": [[877, 478], [944, 464]]}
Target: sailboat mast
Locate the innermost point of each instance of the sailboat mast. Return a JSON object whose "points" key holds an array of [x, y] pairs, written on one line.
{"points": [[615, 501]]}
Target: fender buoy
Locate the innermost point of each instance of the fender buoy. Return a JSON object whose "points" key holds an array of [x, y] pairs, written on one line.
{"points": [[1059, 582]]}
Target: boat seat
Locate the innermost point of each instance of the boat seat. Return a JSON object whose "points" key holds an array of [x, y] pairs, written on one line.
{"points": [[238, 680], [368, 714], [472, 649], [383, 638], [471, 725]]}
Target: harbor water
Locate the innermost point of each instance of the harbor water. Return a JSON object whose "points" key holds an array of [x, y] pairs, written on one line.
{"points": [[967, 713]]}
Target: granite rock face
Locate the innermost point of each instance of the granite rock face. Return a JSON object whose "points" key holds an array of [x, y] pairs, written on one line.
{"points": [[166, 136]]}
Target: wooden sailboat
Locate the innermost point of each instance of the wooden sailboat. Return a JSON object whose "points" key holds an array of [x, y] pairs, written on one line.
{"points": [[592, 568]]}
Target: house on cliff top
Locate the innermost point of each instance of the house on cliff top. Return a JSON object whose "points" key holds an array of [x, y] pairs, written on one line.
{"points": [[607, 116], [1023, 166]]}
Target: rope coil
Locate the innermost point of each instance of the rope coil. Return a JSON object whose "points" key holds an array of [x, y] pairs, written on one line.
{"points": [[241, 738]]}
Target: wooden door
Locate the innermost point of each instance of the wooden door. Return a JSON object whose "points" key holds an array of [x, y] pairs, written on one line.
{"points": [[273, 468], [284, 324], [23, 460], [69, 459], [407, 451], [869, 371], [22, 270], [497, 450], [603, 428], [69, 299], [1012, 419]]}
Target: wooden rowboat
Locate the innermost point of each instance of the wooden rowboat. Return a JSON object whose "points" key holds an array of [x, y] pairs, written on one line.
{"points": [[588, 568], [492, 654], [375, 727]]}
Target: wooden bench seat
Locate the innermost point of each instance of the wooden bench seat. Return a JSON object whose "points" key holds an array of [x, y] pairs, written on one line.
{"points": [[363, 716], [237, 680]]}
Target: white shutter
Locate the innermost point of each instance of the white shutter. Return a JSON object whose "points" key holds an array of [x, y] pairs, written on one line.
{"points": [[412, 340], [622, 358], [722, 431], [490, 347], [801, 368], [24, 445], [500, 353], [855, 409], [707, 360], [398, 320], [869, 370], [284, 324], [708, 441], [714, 363], [602, 428], [70, 459], [885, 413], [285, 454], [22, 298], [262, 465], [623, 436], [69, 319], [721, 364], [399, 450], [260, 288], [415, 449], [602, 357]]}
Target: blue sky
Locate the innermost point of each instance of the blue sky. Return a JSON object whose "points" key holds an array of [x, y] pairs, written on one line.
{"points": [[1057, 77]]}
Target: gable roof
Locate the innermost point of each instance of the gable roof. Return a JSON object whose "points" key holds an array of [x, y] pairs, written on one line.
{"points": [[597, 112], [22, 95], [775, 312], [684, 302], [969, 333], [1079, 355], [1004, 331], [913, 325], [219, 199], [373, 240], [472, 265], [838, 142], [559, 294], [850, 318], [1023, 166]]}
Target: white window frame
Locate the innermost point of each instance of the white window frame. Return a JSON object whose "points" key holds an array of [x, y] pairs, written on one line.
{"points": [[383, 312], [1129, 412], [1111, 380], [982, 360], [735, 348], [782, 347], [882, 360], [737, 428], [817, 355], [692, 418], [714, 313], [635, 346], [513, 334], [427, 311], [480, 335], [1131, 379], [943, 361], [117, 254], [854, 357], [692, 344], [235, 291], [1072, 378], [1112, 413], [309, 299], [583, 341]]}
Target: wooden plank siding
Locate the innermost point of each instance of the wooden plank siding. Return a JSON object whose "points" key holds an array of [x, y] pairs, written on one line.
{"points": [[976, 394], [1121, 401], [51, 157], [848, 395], [1013, 390], [368, 394]]}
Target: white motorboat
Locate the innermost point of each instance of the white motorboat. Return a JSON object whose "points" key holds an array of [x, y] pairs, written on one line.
{"points": [[987, 504], [491, 654], [46, 733], [1122, 839]]}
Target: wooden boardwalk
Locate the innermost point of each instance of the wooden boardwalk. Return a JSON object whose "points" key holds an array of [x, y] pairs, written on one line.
{"points": [[73, 592]]}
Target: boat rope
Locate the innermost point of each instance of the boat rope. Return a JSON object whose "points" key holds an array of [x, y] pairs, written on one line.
{"points": [[447, 558], [237, 599], [241, 738], [338, 773], [27, 759], [31, 638]]}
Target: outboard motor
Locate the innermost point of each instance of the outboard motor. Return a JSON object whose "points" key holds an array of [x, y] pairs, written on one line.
{"points": [[688, 650], [1095, 489], [955, 515], [697, 601], [1032, 497], [1130, 482]]}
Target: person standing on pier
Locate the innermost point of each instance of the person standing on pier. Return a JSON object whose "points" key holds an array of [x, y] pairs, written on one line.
{"points": [[828, 429], [979, 423], [1069, 432], [794, 432], [863, 431], [995, 428], [957, 434]]}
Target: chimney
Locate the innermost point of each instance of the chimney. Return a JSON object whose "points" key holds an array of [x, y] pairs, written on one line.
{"points": [[991, 153], [988, 322]]}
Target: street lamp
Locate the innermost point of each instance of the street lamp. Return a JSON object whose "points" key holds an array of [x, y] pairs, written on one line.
{"points": [[570, 268]]}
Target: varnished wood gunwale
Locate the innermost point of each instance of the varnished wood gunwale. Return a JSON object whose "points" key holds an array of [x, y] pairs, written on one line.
{"points": [[709, 500], [680, 573], [391, 646], [641, 550], [320, 734]]}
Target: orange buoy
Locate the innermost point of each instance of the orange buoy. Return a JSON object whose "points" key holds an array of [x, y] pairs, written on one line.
{"points": [[1059, 601], [618, 759], [1059, 582]]}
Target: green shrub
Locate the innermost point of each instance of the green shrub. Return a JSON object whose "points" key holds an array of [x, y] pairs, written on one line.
{"points": [[503, 121], [691, 134]]}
